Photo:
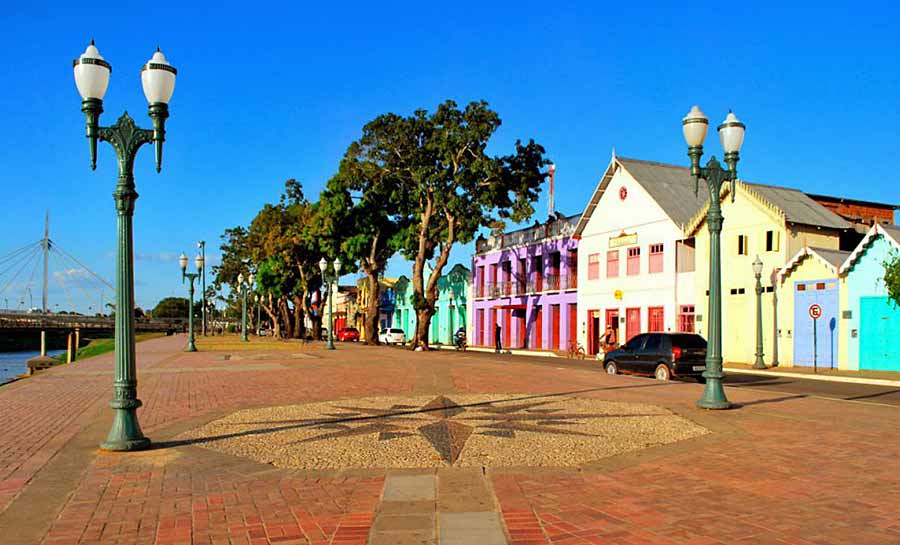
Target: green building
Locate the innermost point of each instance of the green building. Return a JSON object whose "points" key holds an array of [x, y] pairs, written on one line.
{"points": [[451, 305]]}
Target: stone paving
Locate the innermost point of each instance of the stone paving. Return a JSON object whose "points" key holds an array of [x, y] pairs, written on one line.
{"points": [[779, 469]]}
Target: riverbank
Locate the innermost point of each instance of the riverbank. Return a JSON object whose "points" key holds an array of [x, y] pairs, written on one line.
{"points": [[15, 364], [102, 346]]}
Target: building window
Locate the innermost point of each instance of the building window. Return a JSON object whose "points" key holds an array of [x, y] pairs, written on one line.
{"points": [[801, 287], [593, 266], [612, 263], [634, 261], [742, 245], [684, 255], [656, 258], [686, 319], [771, 241], [655, 319]]}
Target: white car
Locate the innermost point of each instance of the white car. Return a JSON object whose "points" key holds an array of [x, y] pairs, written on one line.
{"points": [[392, 335]]}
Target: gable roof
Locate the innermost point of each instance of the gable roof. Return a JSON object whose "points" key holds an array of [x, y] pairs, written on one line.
{"points": [[670, 186], [793, 205], [891, 233], [830, 258]]}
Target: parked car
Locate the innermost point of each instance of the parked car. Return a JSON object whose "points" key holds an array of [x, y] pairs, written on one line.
{"points": [[348, 334], [662, 355], [392, 335]]}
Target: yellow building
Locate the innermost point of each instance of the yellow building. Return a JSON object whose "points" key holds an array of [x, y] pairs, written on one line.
{"points": [[773, 223], [810, 278]]}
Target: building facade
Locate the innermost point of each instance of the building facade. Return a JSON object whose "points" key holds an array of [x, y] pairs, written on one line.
{"points": [[636, 268], [809, 278], [526, 282], [869, 325], [774, 223], [385, 307], [450, 307]]}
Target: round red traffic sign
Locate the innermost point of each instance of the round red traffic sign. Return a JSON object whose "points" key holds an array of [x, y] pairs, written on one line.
{"points": [[815, 311]]}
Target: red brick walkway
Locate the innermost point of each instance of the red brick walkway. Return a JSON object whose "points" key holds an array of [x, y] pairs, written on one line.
{"points": [[780, 469]]}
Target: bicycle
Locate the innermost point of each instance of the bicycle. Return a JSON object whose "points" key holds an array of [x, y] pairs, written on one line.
{"points": [[575, 350]]}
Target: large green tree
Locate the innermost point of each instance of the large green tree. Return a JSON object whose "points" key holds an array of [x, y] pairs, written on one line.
{"points": [[363, 204], [448, 186], [171, 307]]}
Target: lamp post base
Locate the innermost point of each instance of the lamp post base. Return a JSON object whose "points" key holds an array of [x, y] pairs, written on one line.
{"points": [[759, 363], [125, 434], [190, 347], [714, 396]]}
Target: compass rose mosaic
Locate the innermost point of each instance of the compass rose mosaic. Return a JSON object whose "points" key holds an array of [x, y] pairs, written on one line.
{"points": [[444, 430]]}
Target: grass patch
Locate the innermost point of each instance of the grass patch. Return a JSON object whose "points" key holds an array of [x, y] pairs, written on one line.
{"points": [[102, 346]]}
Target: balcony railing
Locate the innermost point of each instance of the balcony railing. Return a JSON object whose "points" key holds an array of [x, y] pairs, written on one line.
{"points": [[514, 288]]}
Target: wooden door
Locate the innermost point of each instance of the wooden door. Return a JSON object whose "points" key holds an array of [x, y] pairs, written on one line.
{"points": [[506, 328], [573, 323], [538, 329], [612, 319], [554, 327], [632, 322]]}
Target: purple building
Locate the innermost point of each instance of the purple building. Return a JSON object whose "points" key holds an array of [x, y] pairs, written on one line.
{"points": [[526, 281]]}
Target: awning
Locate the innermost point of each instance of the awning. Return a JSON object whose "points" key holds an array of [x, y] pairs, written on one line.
{"points": [[520, 306]]}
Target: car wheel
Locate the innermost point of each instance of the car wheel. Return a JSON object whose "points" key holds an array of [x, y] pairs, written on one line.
{"points": [[701, 380], [662, 372], [612, 368]]}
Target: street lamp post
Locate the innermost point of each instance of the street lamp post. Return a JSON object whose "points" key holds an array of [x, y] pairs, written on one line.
{"points": [[202, 246], [757, 271], [328, 280], [158, 82], [731, 133], [183, 261], [244, 287], [256, 298]]}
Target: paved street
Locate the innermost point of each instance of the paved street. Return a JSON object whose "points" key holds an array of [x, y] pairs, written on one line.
{"points": [[798, 462]]}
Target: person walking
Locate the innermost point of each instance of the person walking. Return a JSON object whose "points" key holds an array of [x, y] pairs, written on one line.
{"points": [[609, 339], [498, 346]]}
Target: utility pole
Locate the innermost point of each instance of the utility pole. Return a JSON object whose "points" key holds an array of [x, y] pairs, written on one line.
{"points": [[202, 246]]}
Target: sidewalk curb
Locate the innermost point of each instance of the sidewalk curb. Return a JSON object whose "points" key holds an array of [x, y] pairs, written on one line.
{"points": [[826, 378], [540, 354]]}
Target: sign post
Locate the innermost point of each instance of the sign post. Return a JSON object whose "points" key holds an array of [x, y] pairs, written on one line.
{"points": [[815, 312]]}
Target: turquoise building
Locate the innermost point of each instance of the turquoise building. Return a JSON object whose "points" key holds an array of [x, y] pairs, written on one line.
{"points": [[870, 321], [451, 305]]}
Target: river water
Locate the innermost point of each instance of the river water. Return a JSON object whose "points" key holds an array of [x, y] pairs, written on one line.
{"points": [[13, 364]]}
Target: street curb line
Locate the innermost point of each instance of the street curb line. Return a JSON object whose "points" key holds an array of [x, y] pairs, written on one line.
{"points": [[826, 378], [542, 354]]}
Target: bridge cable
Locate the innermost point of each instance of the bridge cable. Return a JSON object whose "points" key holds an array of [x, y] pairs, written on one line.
{"points": [[70, 273], [34, 246], [79, 279], [35, 255], [17, 252], [59, 279], [80, 264]]}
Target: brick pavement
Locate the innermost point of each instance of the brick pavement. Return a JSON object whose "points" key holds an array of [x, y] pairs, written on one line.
{"points": [[780, 469]]}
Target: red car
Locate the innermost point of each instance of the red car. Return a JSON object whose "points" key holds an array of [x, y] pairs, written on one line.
{"points": [[348, 334]]}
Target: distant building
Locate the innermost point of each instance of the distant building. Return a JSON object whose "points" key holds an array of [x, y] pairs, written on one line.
{"points": [[450, 307], [526, 281], [385, 307]]}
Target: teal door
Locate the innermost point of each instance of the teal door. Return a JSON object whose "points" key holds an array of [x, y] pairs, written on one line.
{"points": [[879, 328]]}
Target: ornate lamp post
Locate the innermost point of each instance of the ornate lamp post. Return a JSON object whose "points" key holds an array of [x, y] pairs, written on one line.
{"points": [[183, 261], [244, 287], [757, 271], [158, 81], [731, 133], [202, 246], [327, 281]]}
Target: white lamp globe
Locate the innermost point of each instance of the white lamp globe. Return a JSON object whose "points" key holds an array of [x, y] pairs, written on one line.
{"points": [[731, 133], [695, 125], [240, 279], [158, 79], [183, 261], [757, 266], [198, 261], [323, 264], [91, 73], [337, 266]]}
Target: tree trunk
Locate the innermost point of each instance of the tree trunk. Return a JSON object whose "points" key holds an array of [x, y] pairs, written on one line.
{"points": [[299, 326], [373, 309], [270, 310], [282, 308]]}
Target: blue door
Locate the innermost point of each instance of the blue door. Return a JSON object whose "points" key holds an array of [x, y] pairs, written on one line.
{"points": [[825, 294], [879, 327]]}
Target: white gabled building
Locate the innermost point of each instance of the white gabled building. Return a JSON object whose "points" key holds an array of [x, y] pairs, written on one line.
{"points": [[635, 270]]}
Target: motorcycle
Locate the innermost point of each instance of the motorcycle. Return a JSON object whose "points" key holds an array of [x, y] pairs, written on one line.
{"points": [[460, 343]]}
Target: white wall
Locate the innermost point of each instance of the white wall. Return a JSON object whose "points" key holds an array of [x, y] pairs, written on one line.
{"points": [[637, 213]]}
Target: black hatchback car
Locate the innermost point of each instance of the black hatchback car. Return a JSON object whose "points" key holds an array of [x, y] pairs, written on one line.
{"points": [[663, 355]]}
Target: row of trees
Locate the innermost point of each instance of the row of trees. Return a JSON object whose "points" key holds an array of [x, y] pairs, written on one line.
{"points": [[412, 185]]}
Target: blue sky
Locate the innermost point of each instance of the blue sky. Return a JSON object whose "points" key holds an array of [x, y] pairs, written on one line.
{"points": [[268, 92]]}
